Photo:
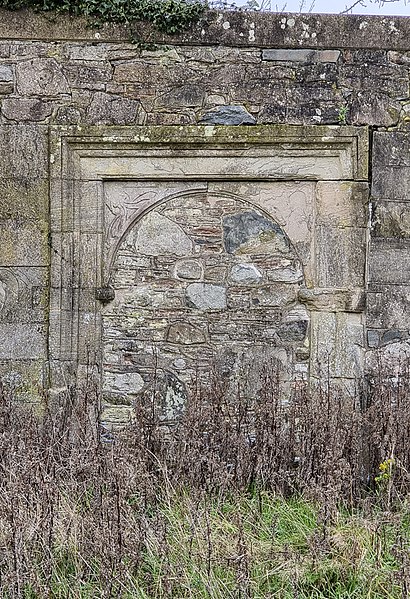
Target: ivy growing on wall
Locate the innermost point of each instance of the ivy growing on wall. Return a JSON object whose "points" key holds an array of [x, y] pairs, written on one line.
{"points": [[168, 16]]}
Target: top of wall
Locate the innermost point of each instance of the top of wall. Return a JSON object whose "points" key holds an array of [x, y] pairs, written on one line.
{"points": [[245, 29]]}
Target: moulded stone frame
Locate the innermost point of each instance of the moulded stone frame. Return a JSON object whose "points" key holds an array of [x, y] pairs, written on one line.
{"points": [[82, 159]]}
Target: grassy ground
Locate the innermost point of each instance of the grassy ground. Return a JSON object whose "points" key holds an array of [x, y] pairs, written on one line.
{"points": [[259, 546], [245, 501]]}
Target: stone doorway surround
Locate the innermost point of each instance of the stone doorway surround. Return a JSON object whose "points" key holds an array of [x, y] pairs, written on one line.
{"points": [[311, 180]]}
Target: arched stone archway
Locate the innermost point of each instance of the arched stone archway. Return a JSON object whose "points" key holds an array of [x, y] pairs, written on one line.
{"points": [[203, 281]]}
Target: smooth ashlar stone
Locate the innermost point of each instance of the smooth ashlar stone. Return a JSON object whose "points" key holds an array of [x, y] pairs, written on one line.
{"points": [[158, 236], [227, 115], [188, 269], [205, 296], [252, 233], [185, 333], [245, 274], [128, 383]]}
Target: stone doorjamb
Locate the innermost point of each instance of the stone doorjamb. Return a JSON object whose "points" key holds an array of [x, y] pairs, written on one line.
{"points": [[83, 159]]}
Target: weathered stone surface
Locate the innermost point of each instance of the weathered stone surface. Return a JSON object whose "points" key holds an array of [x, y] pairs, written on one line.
{"points": [[380, 338], [245, 274], [390, 149], [309, 56], [251, 232], [341, 256], [88, 75], [41, 77], [337, 344], [189, 269], [342, 204], [6, 73], [295, 325], [26, 156], [22, 341], [107, 109], [388, 306], [23, 244], [389, 261], [6, 88], [373, 108], [123, 383], [391, 219], [68, 115], [333, 300], [173, 397], [30, 109], [205, 296], [293, 274], [227, 115], [160, 235], [183, 332]]}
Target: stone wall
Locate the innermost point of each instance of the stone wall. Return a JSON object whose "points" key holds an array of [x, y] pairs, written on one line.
{"points": [[73, 286]]}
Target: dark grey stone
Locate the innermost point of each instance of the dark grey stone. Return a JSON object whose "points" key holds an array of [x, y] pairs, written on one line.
{"points": [[293, 331], [240, 229], [227, 115], [391, 219], [373, 338], [393, 336]]}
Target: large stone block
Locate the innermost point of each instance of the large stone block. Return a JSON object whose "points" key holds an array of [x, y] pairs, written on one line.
{"points": [[23, 341], [23, 244], [24, 200], [107, 109], [340, 257], [23, 152], [370, 107], [337, 345], [88, 75], [26, 109], [391, 148], [391, 182], [388, 306], [391, 219], [23, 294], [342, 204], [391, 165], [6, 73], [41, 77], [389, 261], [25, 379]]}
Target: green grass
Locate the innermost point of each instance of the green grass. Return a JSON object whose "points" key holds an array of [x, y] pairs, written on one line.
{"points": [[259, 547]]}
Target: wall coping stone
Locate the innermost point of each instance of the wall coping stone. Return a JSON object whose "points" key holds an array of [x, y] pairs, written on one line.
{"points": [[227, 28]]}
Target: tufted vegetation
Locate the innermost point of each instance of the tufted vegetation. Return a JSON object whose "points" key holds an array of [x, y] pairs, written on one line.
{"points": [[168, 16]]}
